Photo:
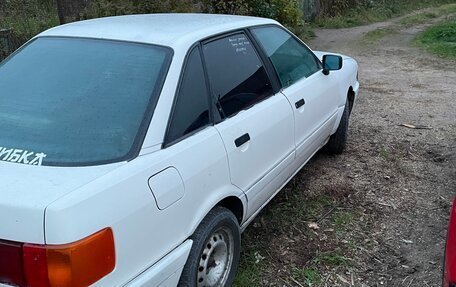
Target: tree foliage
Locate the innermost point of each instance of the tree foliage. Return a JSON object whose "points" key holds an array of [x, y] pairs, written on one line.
{"points": [[285, 11]]}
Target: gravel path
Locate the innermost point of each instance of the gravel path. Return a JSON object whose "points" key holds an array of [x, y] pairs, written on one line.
{"points": [[381, 208], [410, 174]]}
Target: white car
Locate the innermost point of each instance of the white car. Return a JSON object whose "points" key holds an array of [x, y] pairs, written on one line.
{"points": [[135, 149]]}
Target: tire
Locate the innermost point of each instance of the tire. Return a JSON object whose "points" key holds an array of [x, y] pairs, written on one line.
{"points": [[216, 247], [338, 140]]}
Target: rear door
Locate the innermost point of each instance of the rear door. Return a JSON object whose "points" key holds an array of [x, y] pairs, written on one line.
{"points": [[314, 96], [256, 124]]}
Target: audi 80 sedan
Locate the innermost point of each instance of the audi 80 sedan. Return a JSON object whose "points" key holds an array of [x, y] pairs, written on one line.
{"points": [[135, 149]]}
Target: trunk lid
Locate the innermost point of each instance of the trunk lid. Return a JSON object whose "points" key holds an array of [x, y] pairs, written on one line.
{"points": [[27, 190]]}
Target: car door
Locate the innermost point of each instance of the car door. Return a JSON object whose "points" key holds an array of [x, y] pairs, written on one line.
{"points": [[314, 96], [256, 124]]}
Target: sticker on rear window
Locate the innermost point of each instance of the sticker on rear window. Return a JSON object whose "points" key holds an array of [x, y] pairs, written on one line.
{"points": [[21, 156], [240, 43]]}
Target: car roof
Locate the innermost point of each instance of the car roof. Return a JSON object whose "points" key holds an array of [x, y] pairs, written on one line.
{"points": [[173, 30]]}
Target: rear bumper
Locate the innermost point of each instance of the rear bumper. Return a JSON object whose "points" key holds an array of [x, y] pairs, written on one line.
{"points": [[165, 272]]}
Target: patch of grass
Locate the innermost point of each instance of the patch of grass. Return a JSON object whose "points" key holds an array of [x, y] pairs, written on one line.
{"points": [[345, 21], [424, 17], [385, 153], [378, 11], [446, 9], [251, 269], [308, 276], [342, 218], [418, 19], [316, 205], [440, 39], [321, 200], [375, 35], [331, 258], [296, 209]]}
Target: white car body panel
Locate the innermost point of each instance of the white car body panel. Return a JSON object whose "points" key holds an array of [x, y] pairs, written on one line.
{"points": [[158, 275], [128, 204], [27, 190], [152, 221], [280, 180], [167, 187], [320, 106], [270, 127]]}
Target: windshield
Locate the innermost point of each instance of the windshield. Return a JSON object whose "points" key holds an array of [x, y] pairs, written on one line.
{"points": [[73, 101]]}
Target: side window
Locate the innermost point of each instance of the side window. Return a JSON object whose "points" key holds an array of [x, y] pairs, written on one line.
{"points": [[191, 110], [291, 59], [237, 76]]}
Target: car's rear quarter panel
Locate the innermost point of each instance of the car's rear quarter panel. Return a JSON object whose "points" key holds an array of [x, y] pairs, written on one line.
{"points": [[123, 201]]}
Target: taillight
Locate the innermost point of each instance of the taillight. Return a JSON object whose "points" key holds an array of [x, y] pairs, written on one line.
{"points": [[78, 264], [450, 251], [35, 266], [11, 270]]}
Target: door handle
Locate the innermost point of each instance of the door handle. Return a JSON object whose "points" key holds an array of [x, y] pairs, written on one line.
{"points": [[242, 140], [300, 103]]}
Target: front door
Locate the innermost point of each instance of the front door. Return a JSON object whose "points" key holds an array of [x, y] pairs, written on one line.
{"points": [[313, 95]]}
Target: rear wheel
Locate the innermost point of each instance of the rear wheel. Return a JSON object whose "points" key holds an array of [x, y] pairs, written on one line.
{"points": [[214, 256], [338, 140]]}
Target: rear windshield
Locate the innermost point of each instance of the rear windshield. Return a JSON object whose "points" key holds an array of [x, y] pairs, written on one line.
{"points": [[72, 101]]}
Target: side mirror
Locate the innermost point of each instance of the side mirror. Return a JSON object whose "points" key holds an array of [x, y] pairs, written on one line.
{"points": [[331, 63]]}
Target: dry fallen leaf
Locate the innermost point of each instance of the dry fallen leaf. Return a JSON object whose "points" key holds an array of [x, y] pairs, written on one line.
{"points": [[341, 278], [313, 225], [417, 127], [258, 257]]}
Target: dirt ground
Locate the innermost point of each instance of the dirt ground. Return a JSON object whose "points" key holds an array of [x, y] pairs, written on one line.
{"points": [[377, 214]]}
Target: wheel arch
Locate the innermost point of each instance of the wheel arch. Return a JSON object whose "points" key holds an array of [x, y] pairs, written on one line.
{"points": [[235, 205], [350, 98], [233, 200]]}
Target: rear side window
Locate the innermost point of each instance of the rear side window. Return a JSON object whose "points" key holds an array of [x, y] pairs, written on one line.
{"points": [[237, 76], [291, 59], [191, 110]]}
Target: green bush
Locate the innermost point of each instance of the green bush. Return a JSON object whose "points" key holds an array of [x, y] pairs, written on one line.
{"points": [[103, 8], [239, 7], [26, 18], [285, 11]]}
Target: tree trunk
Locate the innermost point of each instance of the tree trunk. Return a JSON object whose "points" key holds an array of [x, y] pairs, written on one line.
{"points": [[5, 45], [60, 11]]}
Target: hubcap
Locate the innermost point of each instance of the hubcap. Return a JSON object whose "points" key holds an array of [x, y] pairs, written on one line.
{"points": [[216, 259]]}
